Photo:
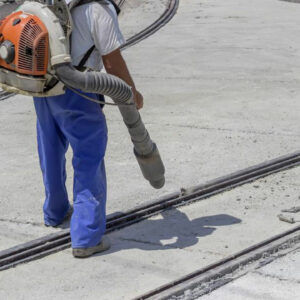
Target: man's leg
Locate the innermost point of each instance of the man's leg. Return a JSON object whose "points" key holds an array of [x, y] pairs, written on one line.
{"points": [[84, 125], [52, 146]]}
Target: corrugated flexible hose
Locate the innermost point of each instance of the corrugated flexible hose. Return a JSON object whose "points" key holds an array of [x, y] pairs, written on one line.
{"points": [[145, 150]]}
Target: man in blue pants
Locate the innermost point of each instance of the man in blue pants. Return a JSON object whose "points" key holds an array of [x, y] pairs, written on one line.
{"points": [[70, 119]]}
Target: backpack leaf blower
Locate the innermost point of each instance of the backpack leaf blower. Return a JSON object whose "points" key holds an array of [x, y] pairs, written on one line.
{"points": [[35, 52]]}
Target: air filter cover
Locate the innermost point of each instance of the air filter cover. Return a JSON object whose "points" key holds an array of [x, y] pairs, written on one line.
{"points": [[25, 44]]}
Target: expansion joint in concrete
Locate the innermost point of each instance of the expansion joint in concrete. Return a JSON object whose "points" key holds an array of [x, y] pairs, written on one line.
{"points": [[263, 133], [18, 222], [276, 277]]}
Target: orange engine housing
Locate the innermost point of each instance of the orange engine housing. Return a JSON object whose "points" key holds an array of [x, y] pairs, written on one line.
{"points": [[30, 39]]}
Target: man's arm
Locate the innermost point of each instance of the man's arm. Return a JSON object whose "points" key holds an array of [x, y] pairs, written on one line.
{"points": [[115, 64]]}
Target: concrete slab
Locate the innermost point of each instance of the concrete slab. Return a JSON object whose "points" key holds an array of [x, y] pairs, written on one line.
{"points": [[15, 232], [163, 248], [221, 93], [266, 283]]}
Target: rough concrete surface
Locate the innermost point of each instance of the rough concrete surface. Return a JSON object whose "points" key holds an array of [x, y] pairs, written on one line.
{"points": [[221, 88], [279, 280]]}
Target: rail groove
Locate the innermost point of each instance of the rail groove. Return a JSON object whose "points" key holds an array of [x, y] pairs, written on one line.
{"points": [[5, 95], [168, 14], [59, 241], [209, 278]]}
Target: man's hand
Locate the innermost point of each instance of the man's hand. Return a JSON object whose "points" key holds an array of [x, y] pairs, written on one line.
{"points": [[138, 99]]}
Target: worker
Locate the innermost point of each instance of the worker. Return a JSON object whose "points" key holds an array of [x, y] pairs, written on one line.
{"points": [[70, 119]]}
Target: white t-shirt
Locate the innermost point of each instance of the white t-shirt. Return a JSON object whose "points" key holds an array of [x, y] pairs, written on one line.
{"points": [[94, 24]]}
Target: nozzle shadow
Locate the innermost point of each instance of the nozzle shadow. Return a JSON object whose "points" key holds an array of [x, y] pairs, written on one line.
{"points": [[172, 229]]}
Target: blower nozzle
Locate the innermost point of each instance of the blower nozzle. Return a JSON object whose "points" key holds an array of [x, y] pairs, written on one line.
{"points": [[152, 167]]}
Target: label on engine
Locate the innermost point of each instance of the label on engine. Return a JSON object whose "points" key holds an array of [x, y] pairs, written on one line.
{"points": [[23, 16]]}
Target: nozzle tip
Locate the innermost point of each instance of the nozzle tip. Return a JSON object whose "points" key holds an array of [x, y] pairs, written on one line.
{"points": [[158, 184]]}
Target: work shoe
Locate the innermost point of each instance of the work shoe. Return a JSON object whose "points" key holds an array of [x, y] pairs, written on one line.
{"points": [[86, 252], [66, 218]]}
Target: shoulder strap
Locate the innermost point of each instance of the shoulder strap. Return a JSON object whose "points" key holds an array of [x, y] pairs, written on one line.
{"points": [[116, 6], [85, 58]]}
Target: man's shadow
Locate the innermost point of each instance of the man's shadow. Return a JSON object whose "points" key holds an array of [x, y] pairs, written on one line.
{"points": [[173, 230]]}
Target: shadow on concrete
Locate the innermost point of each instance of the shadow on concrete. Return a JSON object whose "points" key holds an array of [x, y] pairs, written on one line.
{"points": [[173, 230]]}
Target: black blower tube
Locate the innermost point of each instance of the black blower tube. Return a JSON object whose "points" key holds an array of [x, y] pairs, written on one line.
{"points": [[145, 150]]}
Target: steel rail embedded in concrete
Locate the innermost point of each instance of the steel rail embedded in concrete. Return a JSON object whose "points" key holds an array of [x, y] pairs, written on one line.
{"points": [[212, 276], [4, 95], [59, 241], [159, 23], [292, 1]]}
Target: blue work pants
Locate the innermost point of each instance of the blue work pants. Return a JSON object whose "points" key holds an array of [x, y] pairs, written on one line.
{"points": [[71, 119]]}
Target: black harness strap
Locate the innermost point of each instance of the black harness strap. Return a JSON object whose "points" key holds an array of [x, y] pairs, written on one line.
{"points": [[117, 8], [85, 58]]}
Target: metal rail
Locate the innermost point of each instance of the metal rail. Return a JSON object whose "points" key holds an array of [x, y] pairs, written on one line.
{"points": [[59, 241], [226, 270], [121, 2], [5, 95], [168, 14]]}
